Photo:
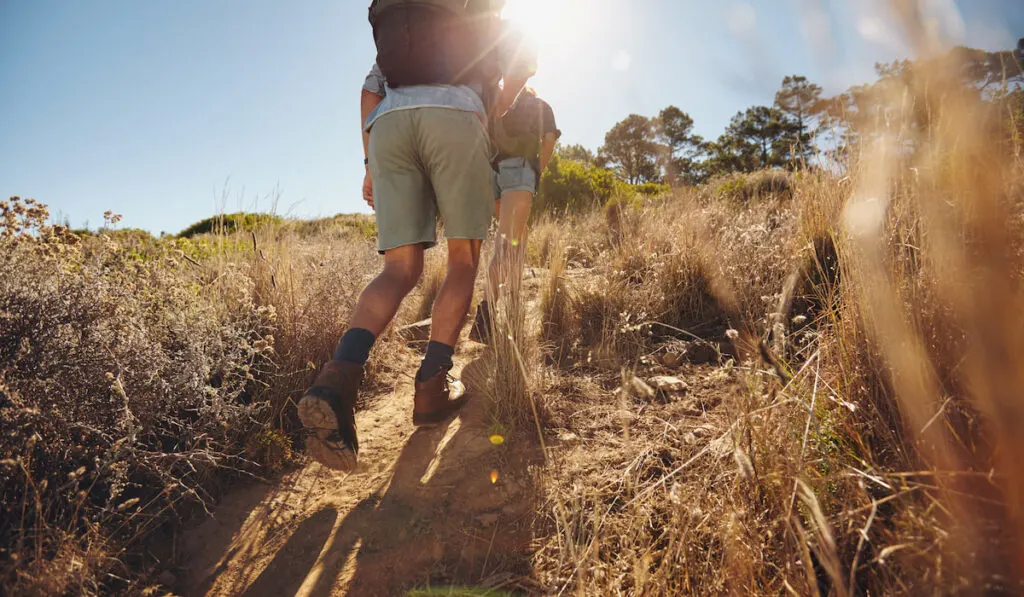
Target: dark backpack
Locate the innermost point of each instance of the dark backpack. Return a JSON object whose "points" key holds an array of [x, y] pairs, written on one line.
{"points": [[518, 133], [436, 42]]}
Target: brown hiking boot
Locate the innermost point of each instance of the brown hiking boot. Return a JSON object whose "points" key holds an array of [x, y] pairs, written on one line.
{"points": [[328, 414], [481, 328], [435, 401]]}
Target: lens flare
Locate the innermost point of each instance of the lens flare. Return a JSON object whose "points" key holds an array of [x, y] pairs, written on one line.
{"points": [[494, 476]]}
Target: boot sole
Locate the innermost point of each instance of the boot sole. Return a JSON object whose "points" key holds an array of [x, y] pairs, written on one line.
{"points": [[433, 419], [317, 416]]}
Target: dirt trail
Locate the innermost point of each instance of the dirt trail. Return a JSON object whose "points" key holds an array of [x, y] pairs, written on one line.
{"points": [[421, 510]]}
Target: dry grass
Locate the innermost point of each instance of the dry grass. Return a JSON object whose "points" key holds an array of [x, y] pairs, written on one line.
{"points": [[555, 307], [884, 461], [139, 376], [876, 451], [512, 358]]}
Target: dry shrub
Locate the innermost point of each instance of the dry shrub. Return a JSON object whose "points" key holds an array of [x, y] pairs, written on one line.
{"points": [[138, 376], [544, 236], [311, 286], [555, 306], [677, 269], [888, 462], [122, 390], [513, 355]]}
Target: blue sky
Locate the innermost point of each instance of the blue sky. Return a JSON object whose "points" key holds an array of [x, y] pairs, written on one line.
{"points": [[168, 112]]}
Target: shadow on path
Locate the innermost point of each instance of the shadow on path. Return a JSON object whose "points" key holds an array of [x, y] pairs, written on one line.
{"points": [[439, 520]]}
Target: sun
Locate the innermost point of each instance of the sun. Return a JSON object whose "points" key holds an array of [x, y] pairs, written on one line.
{"points": [[552, 24]]}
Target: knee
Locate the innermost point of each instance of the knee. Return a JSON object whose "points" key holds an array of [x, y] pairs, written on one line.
{"points": [[463, 258], [404, 274]]}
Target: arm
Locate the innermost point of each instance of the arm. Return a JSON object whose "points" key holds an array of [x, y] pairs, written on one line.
{"points": [[367, 102], [374, 90], [547, 149]]}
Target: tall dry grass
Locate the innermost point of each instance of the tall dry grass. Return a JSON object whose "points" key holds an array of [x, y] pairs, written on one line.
{"points": [[885, 461], [140, 376]]}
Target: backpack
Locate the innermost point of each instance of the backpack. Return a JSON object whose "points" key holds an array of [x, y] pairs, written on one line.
{"points": [[436, 42], [518, 133]]}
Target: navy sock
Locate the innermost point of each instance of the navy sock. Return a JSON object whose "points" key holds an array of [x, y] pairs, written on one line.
{"points": [[355, 346], [438, 358]]}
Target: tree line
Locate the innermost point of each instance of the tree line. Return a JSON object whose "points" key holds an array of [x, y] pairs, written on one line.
{"points": [[803, 128]]}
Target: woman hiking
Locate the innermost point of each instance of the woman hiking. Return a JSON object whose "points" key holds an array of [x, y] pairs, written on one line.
{"points": [[525, 140]]}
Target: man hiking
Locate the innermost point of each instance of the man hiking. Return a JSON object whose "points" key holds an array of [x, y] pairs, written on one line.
{"points": [[424, 110], [525, 138]]}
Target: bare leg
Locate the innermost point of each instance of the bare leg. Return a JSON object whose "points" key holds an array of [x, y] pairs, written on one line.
{"points": [[456, 294], [381, 298], [506, 267]]}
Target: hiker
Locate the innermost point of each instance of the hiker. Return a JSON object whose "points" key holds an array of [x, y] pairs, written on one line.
{"points": [[427, 152], [525, 138]]}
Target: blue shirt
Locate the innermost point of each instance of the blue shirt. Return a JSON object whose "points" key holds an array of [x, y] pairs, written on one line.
{"points": [[516, 61]]}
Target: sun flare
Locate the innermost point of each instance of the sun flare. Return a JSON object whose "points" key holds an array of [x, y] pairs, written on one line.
{"points": [[553, 24]]}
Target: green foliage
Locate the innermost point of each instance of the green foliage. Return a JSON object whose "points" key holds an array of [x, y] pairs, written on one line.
{"points": [[652, 189], [576, 153], [743, 188], [230, 223], [632, 149], [569, 186], [801, 103], [683, 147], [361, 225]]}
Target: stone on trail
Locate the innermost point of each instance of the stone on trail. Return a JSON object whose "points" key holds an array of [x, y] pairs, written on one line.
{"points": [[668, 383]]}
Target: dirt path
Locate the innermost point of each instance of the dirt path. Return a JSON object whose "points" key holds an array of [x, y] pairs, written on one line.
{"points": [[420, 511]]}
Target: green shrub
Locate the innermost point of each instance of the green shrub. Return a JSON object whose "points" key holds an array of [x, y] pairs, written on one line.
{"points": [[652, 189], [744, 188], [362, 225], [568, 186], [229, 223]]}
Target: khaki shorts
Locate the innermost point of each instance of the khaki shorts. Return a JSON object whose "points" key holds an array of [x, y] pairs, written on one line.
{"points": [[427, 162]]}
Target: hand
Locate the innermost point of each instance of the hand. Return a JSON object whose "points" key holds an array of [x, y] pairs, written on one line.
{"points": [[368, 189]]}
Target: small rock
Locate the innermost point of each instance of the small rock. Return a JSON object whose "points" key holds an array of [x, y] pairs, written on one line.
{"points": [[689, 438], [668, 383], [487, 520]]}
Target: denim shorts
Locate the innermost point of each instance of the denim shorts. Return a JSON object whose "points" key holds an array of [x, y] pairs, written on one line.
{"points": [[516, 174]]}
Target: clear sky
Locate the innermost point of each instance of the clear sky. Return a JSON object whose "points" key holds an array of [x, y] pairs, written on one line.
{"points": [[170, 111]]}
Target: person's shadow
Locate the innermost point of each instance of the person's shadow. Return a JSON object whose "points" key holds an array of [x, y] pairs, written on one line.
{"points": [[441, 519]]}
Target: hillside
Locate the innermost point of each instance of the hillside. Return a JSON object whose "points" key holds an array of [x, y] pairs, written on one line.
{"points": [[794, 380]]}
